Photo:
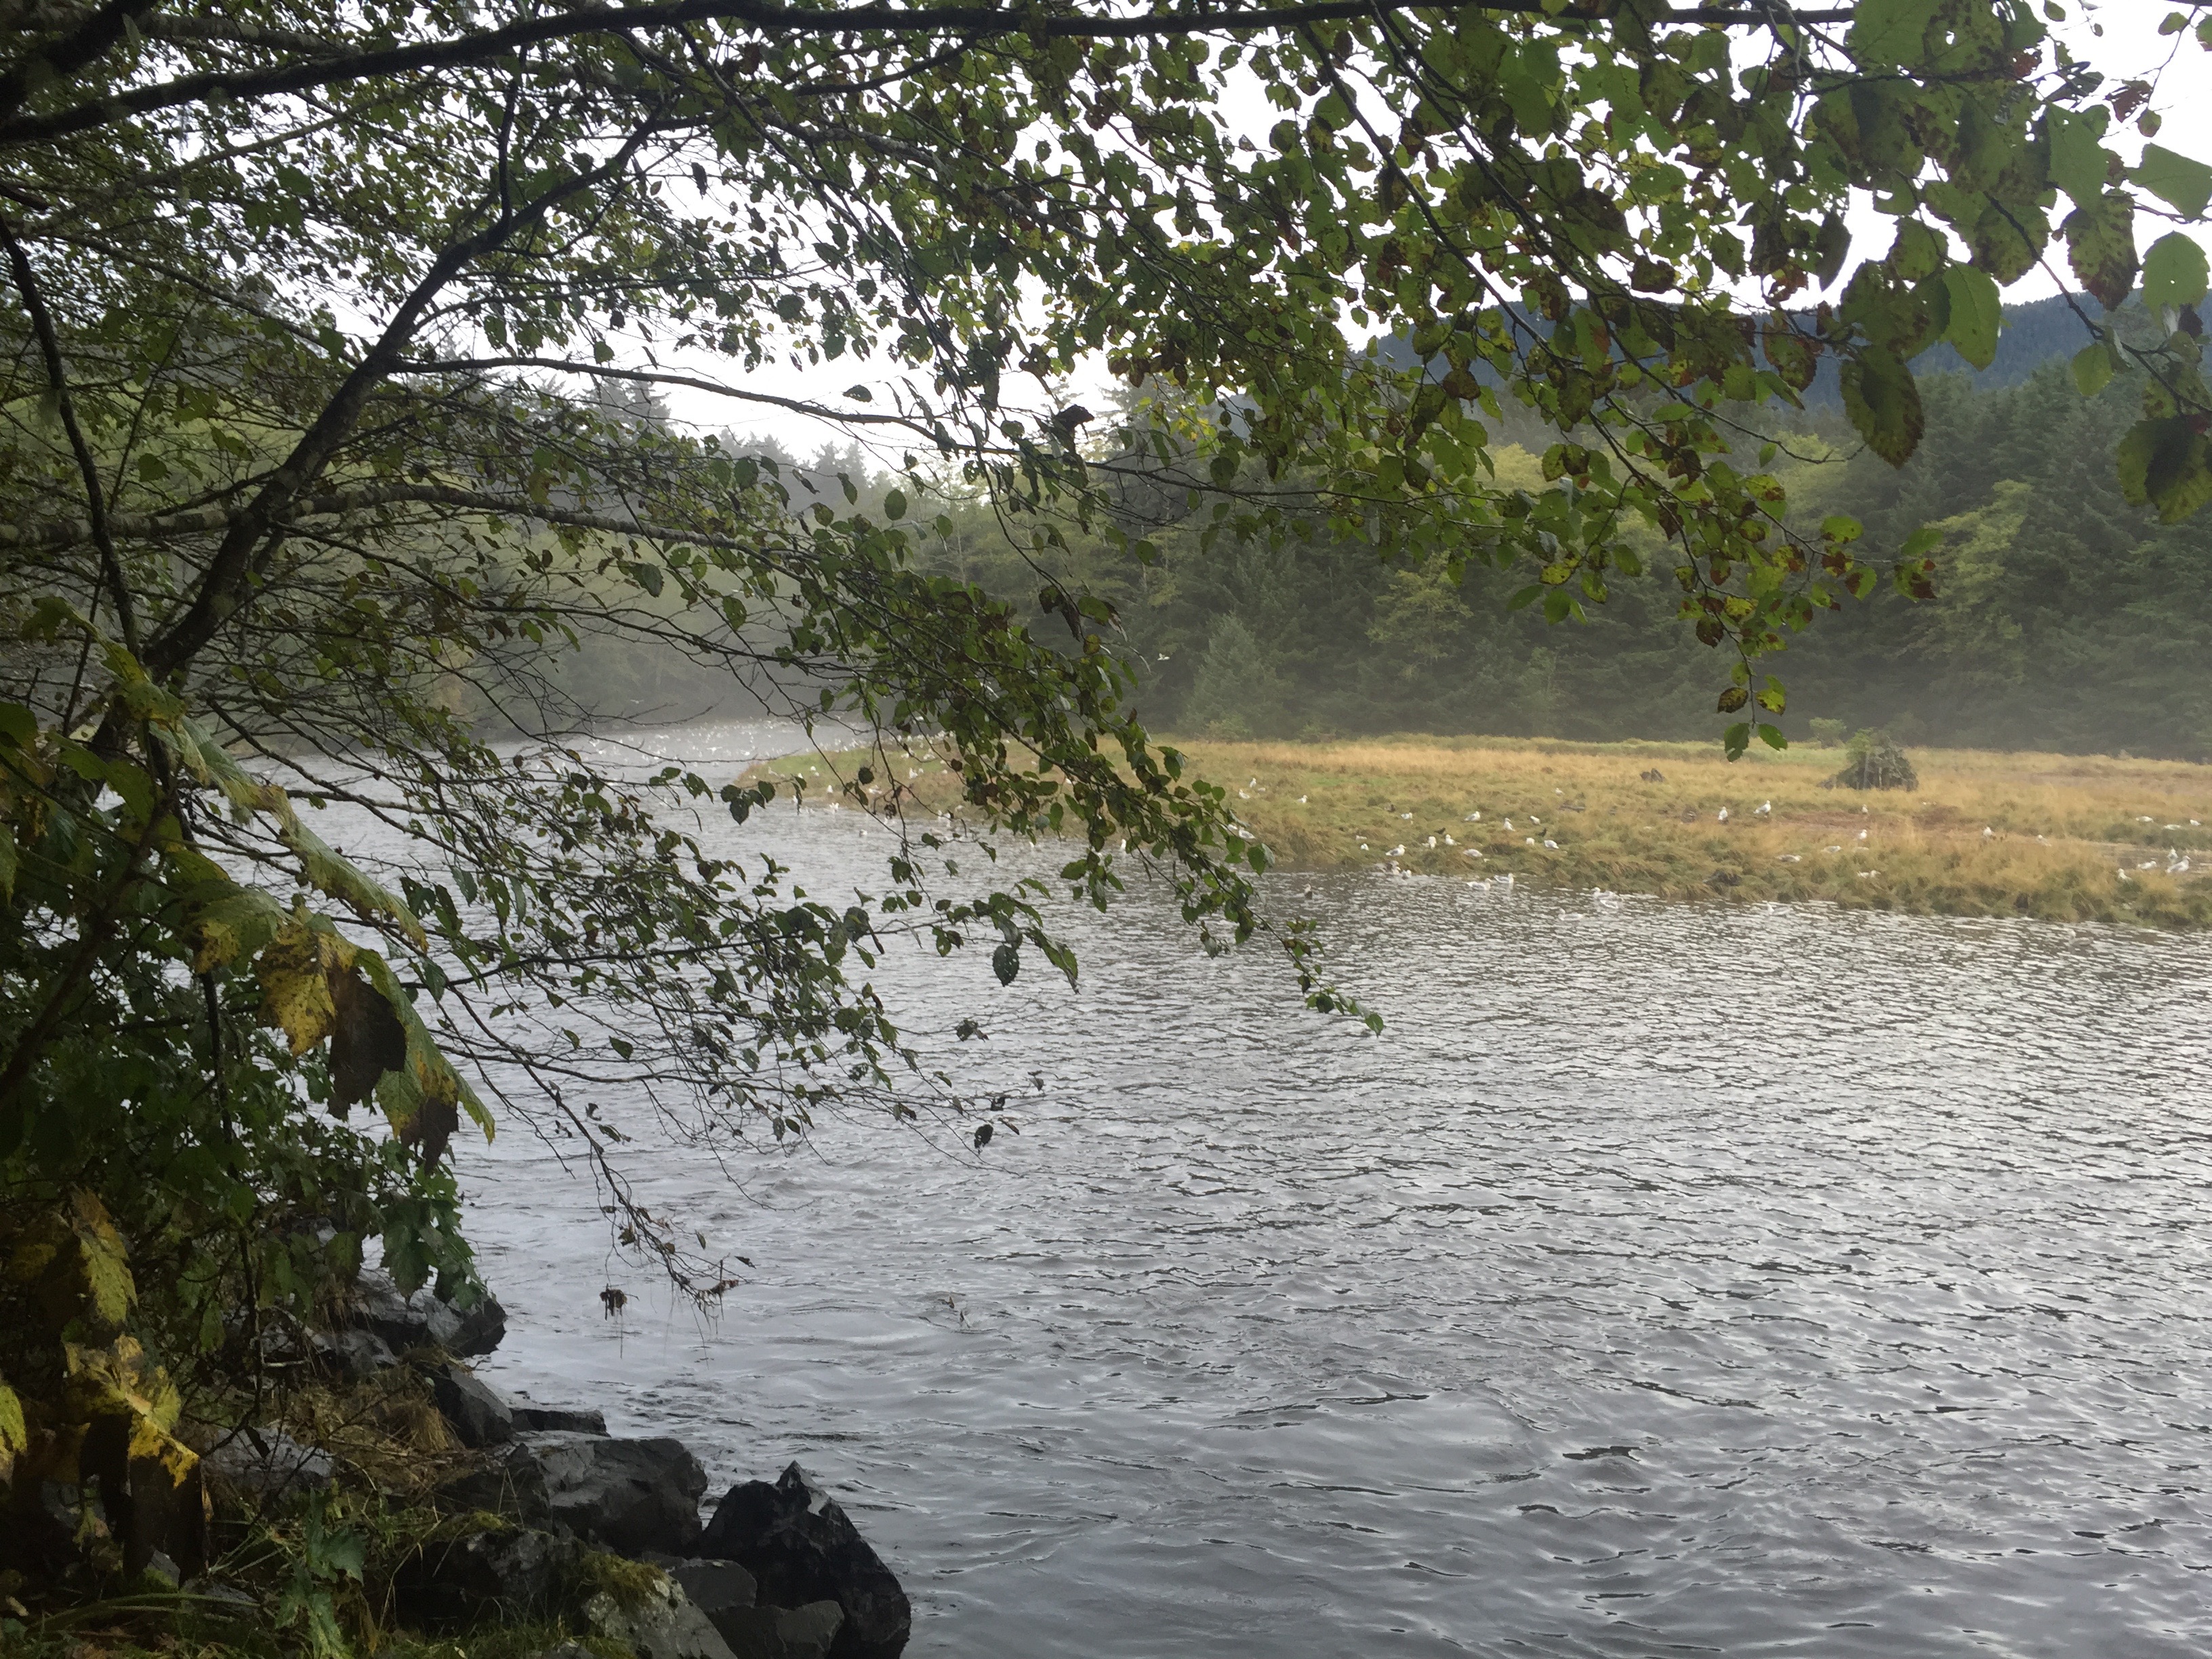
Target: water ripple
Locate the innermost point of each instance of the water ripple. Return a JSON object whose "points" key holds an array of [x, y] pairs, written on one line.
{"points": [[1665, 1280]]}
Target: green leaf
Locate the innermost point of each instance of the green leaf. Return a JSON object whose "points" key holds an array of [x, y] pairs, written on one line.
{"points": [[2093, 367], [2100, 245], [1006, 962], [1921, 542], [648, 576], [2183, 184], [894, 504], [2166, 465], [1889, 33], [2174, 272], [2078, 160], [1977, 314], [1736, 739], [1883, 404]]}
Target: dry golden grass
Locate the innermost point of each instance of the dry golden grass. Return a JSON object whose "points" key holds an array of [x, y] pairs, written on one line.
{"points": [[1985, 833]]}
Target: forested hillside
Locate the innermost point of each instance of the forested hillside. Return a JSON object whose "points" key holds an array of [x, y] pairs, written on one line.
{"points": [[2064, 618]]}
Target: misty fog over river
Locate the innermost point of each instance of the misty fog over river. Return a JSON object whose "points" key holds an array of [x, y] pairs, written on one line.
{"points": [[1664, 1279]]}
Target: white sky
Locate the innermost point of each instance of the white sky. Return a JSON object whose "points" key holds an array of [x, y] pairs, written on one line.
{"points": [[2128, 45]]}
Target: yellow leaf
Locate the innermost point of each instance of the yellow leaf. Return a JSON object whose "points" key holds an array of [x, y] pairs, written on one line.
{"points": [[294, 970], [15, 1437], [235, 926], [117, 1381], [102, 1259]]}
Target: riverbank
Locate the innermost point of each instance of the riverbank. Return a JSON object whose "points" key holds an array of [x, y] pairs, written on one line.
{"points": [[379, 1498], [2056, 837]]}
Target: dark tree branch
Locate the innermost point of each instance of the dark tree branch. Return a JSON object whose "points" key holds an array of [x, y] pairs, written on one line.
{"points": [[96, 497], [976, 21], [341, 503], [643, 377], [223, 584], [92, 38]]}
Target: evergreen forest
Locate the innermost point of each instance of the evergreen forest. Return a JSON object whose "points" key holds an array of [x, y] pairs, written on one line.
{"points": [[2062, 618]]}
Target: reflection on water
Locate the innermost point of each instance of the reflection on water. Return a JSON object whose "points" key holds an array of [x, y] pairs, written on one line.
{"points": [[1664, 1281]]}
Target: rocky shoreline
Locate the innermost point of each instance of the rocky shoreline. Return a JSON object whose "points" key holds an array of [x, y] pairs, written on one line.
{"points": [[549, 1518]]}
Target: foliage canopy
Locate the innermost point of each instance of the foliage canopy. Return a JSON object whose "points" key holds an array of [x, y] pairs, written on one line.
{"points": [[312, 470]]}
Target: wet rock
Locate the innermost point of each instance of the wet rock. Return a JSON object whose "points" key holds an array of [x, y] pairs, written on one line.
{"points": [[728, 1596], [356, 1355], [659, 1624], [628, 1496], [765, 1632], [569, 1420], [510, 1483], [796, 1542], [714, 1586], [500, 1572], [423, 1320], [266, 1462], [478, 1414]]}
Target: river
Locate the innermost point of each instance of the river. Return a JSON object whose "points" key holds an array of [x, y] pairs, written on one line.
{"points": [[1664, 1280]]}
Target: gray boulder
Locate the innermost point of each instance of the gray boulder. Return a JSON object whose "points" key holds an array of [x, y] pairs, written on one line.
{"points": [[628, 1496], [423, 1320], [660, 1624], [571, 1419], [356, 1355], [728, 1595], [511, 1573], [478, 1414], [509, 1483], [798, 1545], [267, 1462]]}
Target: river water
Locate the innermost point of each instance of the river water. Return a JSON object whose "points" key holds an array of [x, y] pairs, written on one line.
{"points": [[1664, 1280]]}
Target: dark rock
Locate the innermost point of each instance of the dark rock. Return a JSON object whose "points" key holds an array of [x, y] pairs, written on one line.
{"points": [[1652, 774], [765, 1632], [796, 1542], [266, 1462], [714, 1586], [356, 1355], [500, 1572], [661, 1624], [628, 1496], [510, 1483], [423, 1320], [571, 1419], [478, 1414]]}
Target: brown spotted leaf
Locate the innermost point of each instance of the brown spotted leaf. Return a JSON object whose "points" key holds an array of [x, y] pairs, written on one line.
{"points": [[2100, 245], [367, 1040], [1883, 404]]}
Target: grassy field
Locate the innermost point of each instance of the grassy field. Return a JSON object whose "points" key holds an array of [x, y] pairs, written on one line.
{"points": [[2064, 838]]}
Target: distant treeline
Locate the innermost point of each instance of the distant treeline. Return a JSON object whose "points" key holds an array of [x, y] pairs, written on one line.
{"points": [[2064, 618]]}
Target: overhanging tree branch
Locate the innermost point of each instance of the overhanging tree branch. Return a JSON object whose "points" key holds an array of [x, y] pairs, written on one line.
{"points": [[343, 503], [976, 21]]}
